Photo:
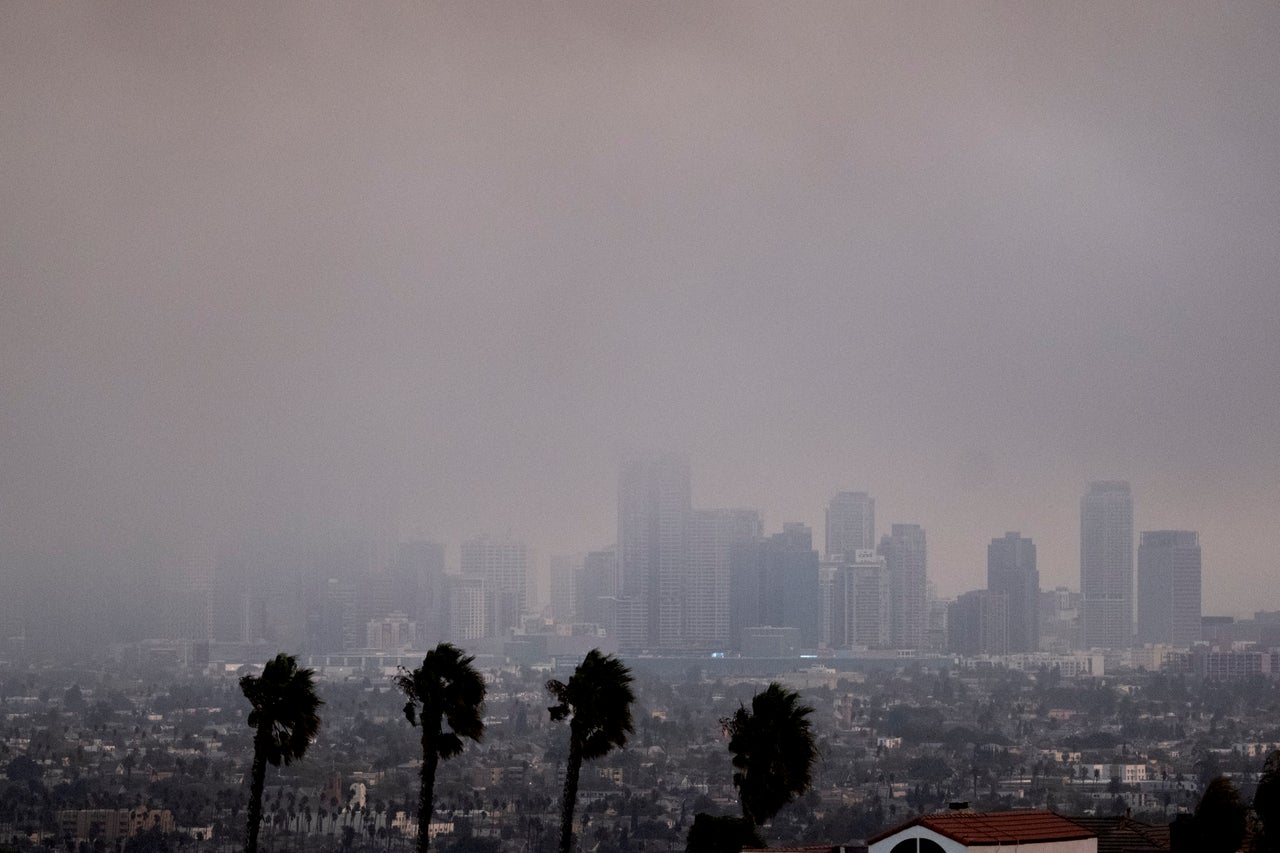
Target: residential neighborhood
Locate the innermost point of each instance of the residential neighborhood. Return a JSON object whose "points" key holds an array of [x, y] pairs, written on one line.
{"points": [[123, 758]]}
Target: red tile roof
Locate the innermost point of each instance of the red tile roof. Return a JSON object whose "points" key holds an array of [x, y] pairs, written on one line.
{"points": [[1126, 835], [980, 829]]}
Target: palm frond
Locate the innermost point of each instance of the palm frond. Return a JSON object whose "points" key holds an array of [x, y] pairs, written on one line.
{"points": [[597, 700], [284, 708], [445, 691], [773, 751]]}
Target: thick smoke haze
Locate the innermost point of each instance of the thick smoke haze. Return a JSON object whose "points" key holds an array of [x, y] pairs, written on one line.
{"points": [[280, 270]]}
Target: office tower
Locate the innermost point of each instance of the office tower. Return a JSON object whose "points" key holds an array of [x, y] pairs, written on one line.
{"points": [[906, 563], [1060, 620], [564, 573], [420, 585], [935, 622], [1011, 570], [851, 524], [469, 608], [628, 621], [826, 601], [978, 623], [231, 600], [339, 624], [789, 575], [746, 590], [597, 584], [775, 583], [653, 512], [712, 536], [503, 564], [1169, 587], [859, 602], [1106, 565], [190, 599]]}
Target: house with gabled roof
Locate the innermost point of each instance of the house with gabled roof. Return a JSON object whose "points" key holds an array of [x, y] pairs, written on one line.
{"points": [[1030, 831]]}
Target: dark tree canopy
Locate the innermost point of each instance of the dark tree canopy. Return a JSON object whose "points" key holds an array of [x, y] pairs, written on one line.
{"points": [[1220, 818], [773, 752], [1266, 805], [721, 834]]}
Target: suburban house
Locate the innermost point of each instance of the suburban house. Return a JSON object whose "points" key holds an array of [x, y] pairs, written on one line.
{"points": [[957, 831]]}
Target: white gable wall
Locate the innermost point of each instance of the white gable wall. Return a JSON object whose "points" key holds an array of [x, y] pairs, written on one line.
{"points": [[886, 844]]}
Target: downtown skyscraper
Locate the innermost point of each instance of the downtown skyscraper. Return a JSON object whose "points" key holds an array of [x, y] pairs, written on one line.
{"points": [[857, 602], [1011, 572], [1106, 565], [503, 565], [775, 583], [1169, 585], [978, 623], [654, 503], [714, 535], [851, 525], [906, 565]]}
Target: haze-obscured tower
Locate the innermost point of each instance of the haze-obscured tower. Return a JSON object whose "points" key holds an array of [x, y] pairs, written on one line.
{"points": [[503, 564], [564, 573], [775, 584], [654, 501], [190, 611], [597, 587], [851, 525], [421, 589], [1106, 565], [1060, 620], [858, 603], [906, 564], [713, 534], [978, 623], [468, 610], [1011, 572], [1169, 585], [790, 581]]}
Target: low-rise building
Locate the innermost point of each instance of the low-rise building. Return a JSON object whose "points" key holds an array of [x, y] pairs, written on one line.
{"points": [[958, 831]]}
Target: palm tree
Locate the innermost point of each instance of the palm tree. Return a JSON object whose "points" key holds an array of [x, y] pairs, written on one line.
{"points": [[597, 702], [773, 752], [445, 691], [284, 717]]}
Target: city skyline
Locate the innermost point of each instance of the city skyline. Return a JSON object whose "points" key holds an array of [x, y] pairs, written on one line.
{"points": [[280, 273], [644, 392]]}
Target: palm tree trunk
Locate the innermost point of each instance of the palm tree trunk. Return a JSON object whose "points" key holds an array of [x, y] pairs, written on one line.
{"points": [[572, 767], [257, 779], [426, 792]]}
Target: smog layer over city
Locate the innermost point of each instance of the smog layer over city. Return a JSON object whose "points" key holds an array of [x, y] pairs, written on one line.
{"points": [[640, 427]]}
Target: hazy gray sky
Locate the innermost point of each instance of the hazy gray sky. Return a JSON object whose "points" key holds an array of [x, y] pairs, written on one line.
{"points": [[274, 267]]}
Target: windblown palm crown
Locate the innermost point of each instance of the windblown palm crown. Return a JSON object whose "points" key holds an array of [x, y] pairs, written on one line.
{"points": [[445, 688], [597, 702], [284, 717], [773, 752], [445, 691]]}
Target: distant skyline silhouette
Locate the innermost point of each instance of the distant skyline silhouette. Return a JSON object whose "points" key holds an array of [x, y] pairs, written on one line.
{"points": [[287, 272]]}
